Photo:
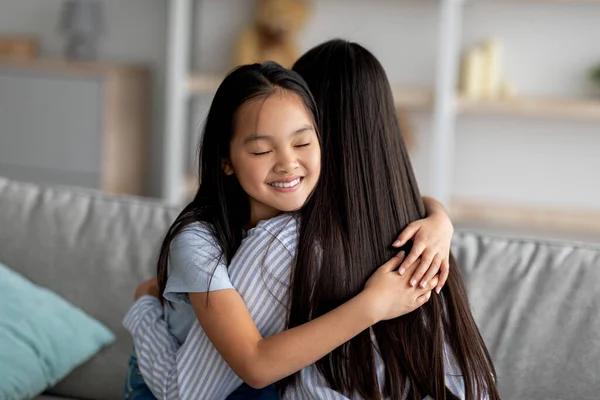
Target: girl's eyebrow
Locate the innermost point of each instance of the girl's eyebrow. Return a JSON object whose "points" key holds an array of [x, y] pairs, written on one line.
{"points": [[257, 137], [302, 130]]}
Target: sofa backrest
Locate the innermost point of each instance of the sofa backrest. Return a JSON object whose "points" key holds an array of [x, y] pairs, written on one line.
{"points": [[91, 249], [537, 302], [537, 305]]}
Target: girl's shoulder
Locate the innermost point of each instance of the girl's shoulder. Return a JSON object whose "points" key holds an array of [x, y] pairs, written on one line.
{"points": [[283, 228], [196, 233], [277, 225]]}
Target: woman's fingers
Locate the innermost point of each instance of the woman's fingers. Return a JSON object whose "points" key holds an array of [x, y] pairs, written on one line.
{"points": [[444, 272]]}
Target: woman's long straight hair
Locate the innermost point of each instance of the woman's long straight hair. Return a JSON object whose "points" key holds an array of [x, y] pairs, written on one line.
{"points": [[366, 195], [220, 200]]}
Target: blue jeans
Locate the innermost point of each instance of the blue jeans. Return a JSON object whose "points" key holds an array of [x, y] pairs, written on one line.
{"points": [[246, 392], [136, 388]]}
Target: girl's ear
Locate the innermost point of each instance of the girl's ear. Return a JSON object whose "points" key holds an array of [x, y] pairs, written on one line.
{"points": [[227, 167]]}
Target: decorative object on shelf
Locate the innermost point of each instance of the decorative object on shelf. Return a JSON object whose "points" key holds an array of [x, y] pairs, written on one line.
{"points": [[508, 90], [481, 73], [18, 47], [471, 73], [272, 35], [492, 68], [82, 23]]}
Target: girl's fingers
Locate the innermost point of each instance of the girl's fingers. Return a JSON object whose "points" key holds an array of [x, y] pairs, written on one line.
{"points": [[444, 272], [403, 270], [426, 293], [433, 270], [406, 234], [429, 287], [392, 263], [426, 260], [424, 298], [413, 256]]}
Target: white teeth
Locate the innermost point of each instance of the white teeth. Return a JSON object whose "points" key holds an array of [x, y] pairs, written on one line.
{"points": [[286, 184]]}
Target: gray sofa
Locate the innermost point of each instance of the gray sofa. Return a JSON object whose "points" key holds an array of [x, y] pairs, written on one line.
{"points": [[537, 302]]}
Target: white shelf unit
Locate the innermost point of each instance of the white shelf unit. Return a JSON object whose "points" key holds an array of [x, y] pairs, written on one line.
{"points": [[179, 32], [181, 84], [473, 211], [442, 100]]}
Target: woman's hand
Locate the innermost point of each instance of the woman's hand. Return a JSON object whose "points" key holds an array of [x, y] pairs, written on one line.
{"points": [[431, 238], [390, 294], [149, 287]]}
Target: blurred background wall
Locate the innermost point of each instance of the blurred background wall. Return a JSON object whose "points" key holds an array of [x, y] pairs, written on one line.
{"points": [[504, 158]]}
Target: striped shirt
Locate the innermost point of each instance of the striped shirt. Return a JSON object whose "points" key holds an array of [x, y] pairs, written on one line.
{"points": [[260, 271]]}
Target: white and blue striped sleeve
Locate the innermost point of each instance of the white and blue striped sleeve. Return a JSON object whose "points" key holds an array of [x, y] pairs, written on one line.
{"points": [[156, 348], [196, 370], [202, 373]]}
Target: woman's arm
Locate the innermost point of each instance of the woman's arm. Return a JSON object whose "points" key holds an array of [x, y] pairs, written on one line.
{"points": [[432, 237]]}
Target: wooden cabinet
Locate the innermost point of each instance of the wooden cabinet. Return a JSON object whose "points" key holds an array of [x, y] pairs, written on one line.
{"points": [[82, 124]]}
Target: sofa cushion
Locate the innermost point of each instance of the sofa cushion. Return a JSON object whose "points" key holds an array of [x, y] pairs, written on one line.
{"points": [[536, 303], [91, 249], [42, 337]]}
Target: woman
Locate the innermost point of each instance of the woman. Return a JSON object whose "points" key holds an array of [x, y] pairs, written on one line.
{"points": [[375, 192]]}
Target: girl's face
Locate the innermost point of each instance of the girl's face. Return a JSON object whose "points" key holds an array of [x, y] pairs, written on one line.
{"points": [[275, 154]]}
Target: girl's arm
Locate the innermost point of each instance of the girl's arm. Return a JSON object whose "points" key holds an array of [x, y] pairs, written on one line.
{"points": [[261, 361], [209, 362], [432, 237]]}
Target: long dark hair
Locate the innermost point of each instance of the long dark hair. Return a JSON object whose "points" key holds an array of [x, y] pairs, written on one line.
{"points": [[367, 193], [220, 200]]}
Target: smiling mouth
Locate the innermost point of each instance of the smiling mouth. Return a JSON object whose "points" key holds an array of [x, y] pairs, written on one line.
{"points": [[287, 185]]}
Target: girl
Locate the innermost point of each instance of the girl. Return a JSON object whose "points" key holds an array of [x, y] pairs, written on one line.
{"points": [[270, 152]]}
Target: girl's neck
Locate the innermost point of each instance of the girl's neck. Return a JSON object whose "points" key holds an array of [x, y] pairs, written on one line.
{"points": [[260, 213]]}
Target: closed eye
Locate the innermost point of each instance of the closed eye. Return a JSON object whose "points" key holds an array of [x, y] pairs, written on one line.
{"points": [[302, 145], [262, 153]]}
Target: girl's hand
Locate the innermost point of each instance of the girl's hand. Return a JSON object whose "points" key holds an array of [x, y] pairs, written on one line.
{"points": [[149, 287], [390, 294], [431, 242]]}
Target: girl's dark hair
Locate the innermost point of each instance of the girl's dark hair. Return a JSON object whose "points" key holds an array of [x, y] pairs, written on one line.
{"points": [[367, 193], [220, 200]]}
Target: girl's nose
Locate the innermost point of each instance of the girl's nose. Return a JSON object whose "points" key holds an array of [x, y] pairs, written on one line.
{"points": [[286, 163]]}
